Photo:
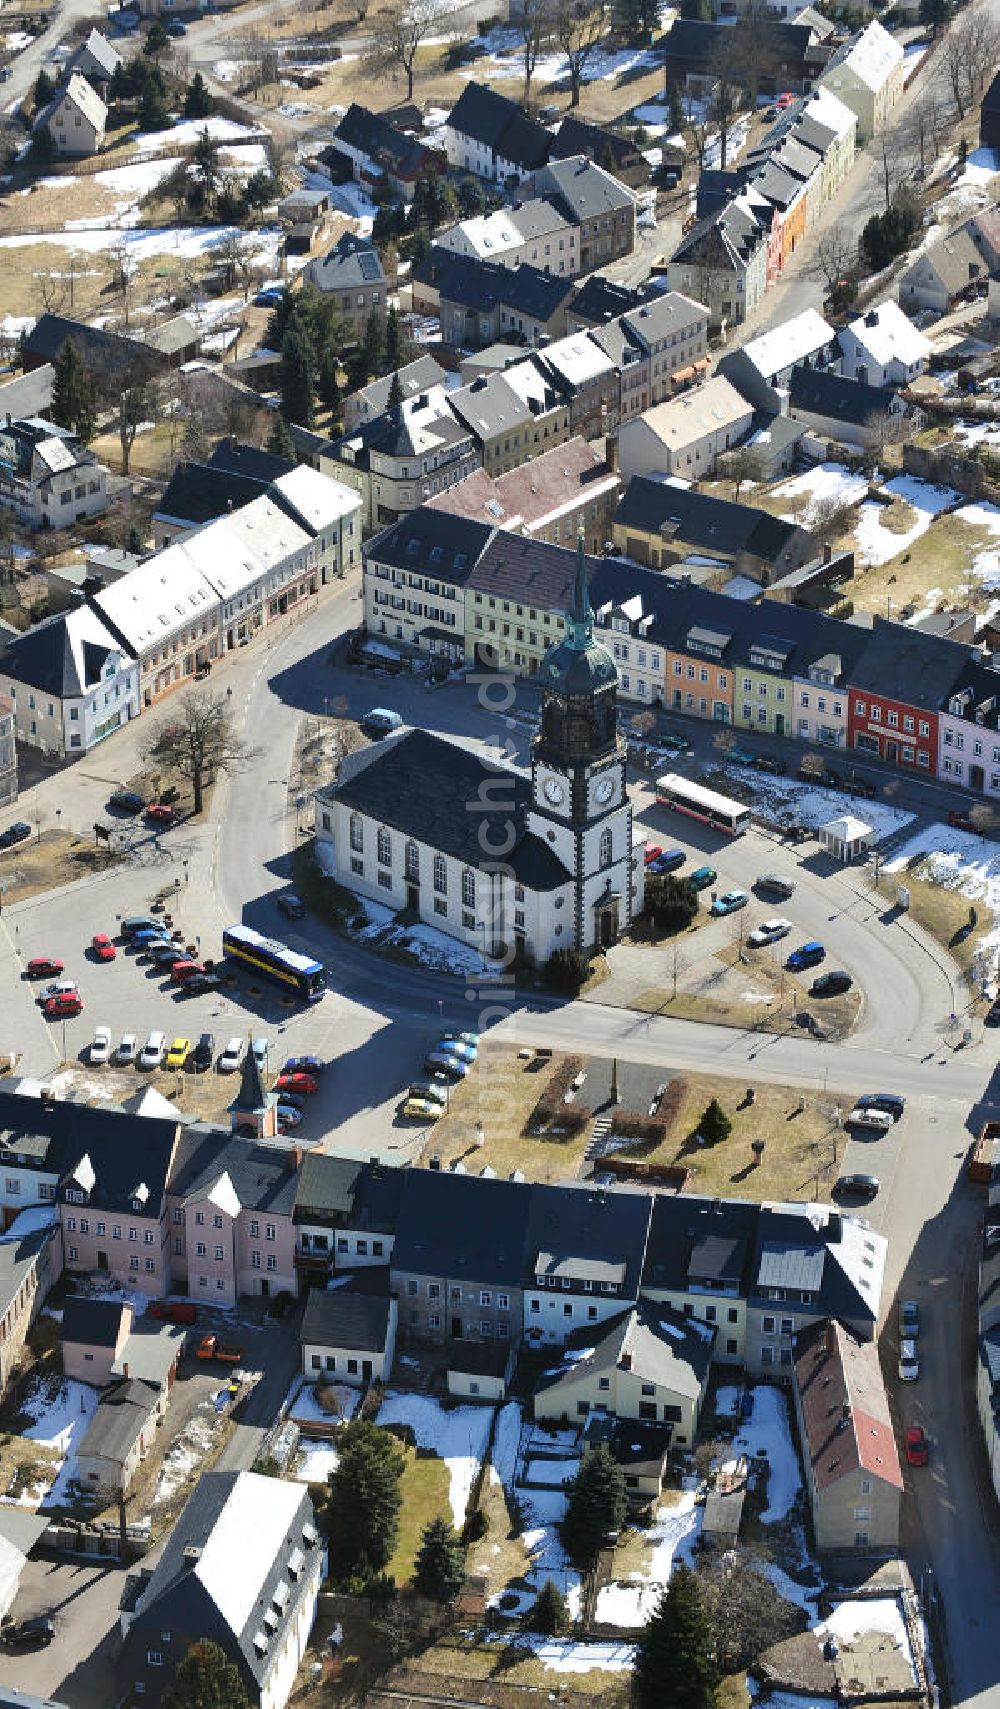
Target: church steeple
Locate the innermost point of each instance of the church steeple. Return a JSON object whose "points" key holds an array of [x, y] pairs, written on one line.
{"points": [[579, 680], [580, 617]]}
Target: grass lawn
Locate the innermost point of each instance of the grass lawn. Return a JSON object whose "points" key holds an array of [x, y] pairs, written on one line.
{"points": [[943, 913], [939, 558], [57, 858], [733, 1693], [501, 1092], [457, 1659], [801, 1152], [425, 1490]]}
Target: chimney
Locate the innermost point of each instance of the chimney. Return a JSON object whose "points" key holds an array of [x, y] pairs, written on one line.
{"points": [[626, 1361], [48, 1098], [125, 1370], [295, 1155], [845, 1412], [830, 1338], [611, 453]]}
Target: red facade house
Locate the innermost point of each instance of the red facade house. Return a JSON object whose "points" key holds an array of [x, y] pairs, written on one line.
{"points": [[898, 686]]}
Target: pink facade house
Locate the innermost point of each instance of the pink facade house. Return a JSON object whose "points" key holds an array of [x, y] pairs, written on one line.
{"points": [[230, 1218]]}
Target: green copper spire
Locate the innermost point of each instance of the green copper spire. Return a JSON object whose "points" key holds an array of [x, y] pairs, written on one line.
{"points": [[580, 620]]}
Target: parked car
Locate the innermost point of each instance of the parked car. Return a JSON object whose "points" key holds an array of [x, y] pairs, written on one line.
{"points": [[295, 1100], [44, 967], [915, 1445], [862, 786], [146, 935], [164, 954], [454, 1047], [151, 1054], [807, 955], [269, 298], [199, 983], [891, 1102], [992, 1016], [260, 1048], [58, 988], [185, 969], [909, 1362], [769, 931], [135, 923], [856, 1186], [160, 813], [176, 28], [291, 905], [303, 1065], [126, 801], [439, 1062], [16, 833], [126, 1049], [178, 1053], [961, 821], [380, 721], [100, 1045], [908, 1320], [203, 1053], [296, 1083], [422, 1109], [832, 984], [288, 1115], [651, 852], [769, 884], [63, 1006], [668, 860], [702, 877], [876, 1120], [771, 763], [34, 1634], [740, 756], [210, 1347], [471, 1039], [103, 948], [437, 1088], [729, 902], [232, 1056]]}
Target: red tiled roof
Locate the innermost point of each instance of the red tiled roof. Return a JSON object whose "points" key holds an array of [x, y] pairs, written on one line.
{"points": [[566, 475], [844, 1407]]}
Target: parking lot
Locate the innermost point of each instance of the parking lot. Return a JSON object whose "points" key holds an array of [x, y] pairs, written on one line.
{"points": [[82, 1599]]}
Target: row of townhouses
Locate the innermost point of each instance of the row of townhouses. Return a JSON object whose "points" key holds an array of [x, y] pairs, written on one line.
{"points": [[456, 586], [78, 676]]}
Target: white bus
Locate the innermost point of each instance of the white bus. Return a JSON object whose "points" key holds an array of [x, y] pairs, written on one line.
{"points": [[684, 796]]}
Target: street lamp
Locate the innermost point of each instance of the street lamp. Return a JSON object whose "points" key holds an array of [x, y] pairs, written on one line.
{"points": [[481, 927]]}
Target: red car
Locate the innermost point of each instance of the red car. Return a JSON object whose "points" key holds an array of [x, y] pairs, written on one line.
{"points": [[650, 852], [961, 822], [159, 814], [182, 970], [102, 947], [44, 967], [296, 1083], [786, 99], [916, 1445], [61, 1008]]}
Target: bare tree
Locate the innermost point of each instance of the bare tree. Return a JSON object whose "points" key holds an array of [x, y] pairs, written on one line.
{"points": [[882, 431], [746, 1614], [396, 38], [923, 128], [131, 405], [696, 124], [122, 274], [579, 30], [742, 466], [829, 520], [727, 69], [835, 256], [894, 160], [756, 46], [532, 24], [198, 740]]}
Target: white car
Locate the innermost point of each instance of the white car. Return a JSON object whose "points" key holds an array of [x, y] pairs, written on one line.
{"points": [[126, 1050], [909, 1364], [100, 1045], [59, 988], [153, 1051], [260, 1048], [232, 1056], [879, 1120], [769, 931]]}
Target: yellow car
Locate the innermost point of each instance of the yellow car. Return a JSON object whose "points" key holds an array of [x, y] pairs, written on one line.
{"points": [[426, 1109], [178, 1053]]}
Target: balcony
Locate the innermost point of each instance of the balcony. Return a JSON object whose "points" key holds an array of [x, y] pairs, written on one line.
{"points": [[315, 1260]]}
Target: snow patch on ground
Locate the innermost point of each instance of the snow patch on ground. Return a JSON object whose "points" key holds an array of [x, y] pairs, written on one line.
{"points": [[185, 1455], [551, 1471], [876, 544], [544, 1513], [189, 132], [458, 1437], [957, 860], [673, 1535], [145, 242], [303, 1405], [767, 1432], [880, 1614], [564, 1655], [314, 1462], [827, 482], [506, 1437], [787, 801], [60, 1413]]}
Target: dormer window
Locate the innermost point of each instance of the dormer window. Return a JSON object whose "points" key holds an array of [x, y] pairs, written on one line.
{"points": [[75, 1196]]}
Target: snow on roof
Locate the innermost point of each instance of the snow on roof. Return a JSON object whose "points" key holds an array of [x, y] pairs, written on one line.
{"points": [[874, 56], [56, 454], [251, 1529], [317, 498], [691, 415], [788, 343], [578, 358], [28, 1221], [888, 335], [847, 828], [829, 110], [490, 234], [152, 602], [82, 95], [224, 1195]]}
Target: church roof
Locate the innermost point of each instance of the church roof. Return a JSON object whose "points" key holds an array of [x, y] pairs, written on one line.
{"points": [[423, 785]]}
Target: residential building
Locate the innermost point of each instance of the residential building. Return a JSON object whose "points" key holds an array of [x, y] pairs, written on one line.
{"points": [[70, 681], [75, 118], [691, 46], [30, 1265], [110, 356], [48, 479], [820, 692], [762, 369], [112, 1192], [823, 122], [535, 232], [519, 593], [8, 750], [349, 1336], [599, 205], [501, 424], [415, 576], [548, 401], [230, 1204], [883, 348], [898, 685], [457, 1265], [848, 411], [943, 273], [583, 1256], [867, 75], [969, 730], [989, 116], [723, 262], [95, 59], [600, 300], [491, 136], [352, 273], [371, 401], [588, 377], [166, 615], [671, 332], [480, 301], [242, 1568], [380, 154], [395, 819], [403, 456], [119, 1436], [649, 1364], [687, 434], [661, 525], [568, 488], [345, 1215], [29, 395], [608, 148], [92, 1335], [853, 1477]]}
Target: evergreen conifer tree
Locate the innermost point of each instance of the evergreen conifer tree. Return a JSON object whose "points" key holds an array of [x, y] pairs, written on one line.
{"points": [[439, 1570], [675, 1664]]}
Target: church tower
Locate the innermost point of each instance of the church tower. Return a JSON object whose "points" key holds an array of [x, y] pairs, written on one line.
{"points": [[579, 800]]}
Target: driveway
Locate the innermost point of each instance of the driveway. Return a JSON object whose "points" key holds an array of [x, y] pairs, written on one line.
{"points": [[78, 1667]]}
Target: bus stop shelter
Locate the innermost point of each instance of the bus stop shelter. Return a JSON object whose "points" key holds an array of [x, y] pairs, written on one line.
{"points": [[846, 838]]}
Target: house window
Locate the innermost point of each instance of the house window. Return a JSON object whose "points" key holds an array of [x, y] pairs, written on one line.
{"points": [[200, 1249], [384, 848], [272, 1262], [357, 833], [219, 1254], [767, 1355], [486, 1297], [411, 860], [255, 1260]]}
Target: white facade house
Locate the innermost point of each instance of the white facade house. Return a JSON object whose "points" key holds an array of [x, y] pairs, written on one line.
{"points": [[883, 348], [762, 368], [536, 233], [833, 114], [75, 118], [71, 682], [47, 478], [330, 511], [685, 435], [167, 614], [868, 76]]}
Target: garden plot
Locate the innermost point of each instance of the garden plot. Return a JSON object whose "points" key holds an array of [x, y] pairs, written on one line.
{"points": [[185, 1457], [875, 542], [767, 1432], [548, 1472], [314, 1461], [673, 1536], [827, 483], [957, 860], [878, 1614], [60, 1410], [303, 1406], [458, 1438]]}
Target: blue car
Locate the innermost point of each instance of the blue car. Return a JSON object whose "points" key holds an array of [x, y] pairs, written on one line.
{"points": [[807, 955], [303, 1065], [668, 861], [729, 902], [268, 299], [452, 1046]]}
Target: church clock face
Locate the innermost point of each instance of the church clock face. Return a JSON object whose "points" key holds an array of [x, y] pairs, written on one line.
{"points": [[554, 791], [604, 790]]}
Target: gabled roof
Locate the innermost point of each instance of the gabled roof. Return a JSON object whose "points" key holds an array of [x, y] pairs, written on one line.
{"points": [[64, 655], [93, 1322], [886, 334], [583, 188], [233, 456], [653, 1343], [689, 416], [576, 136], [821, 392], [123, 1156], [462, 1227], [501, 125], [427, 539], [793, 341], [416, 376], [954, 259], [105, 353], [355, 1316], [353, 262], [375, 135], [199, 492], [599, 299], [847, 1425], [872, 57], [900, 663], [101, 51], [581, 1232], [259, 1177], [81, 95], [122, 1414]]}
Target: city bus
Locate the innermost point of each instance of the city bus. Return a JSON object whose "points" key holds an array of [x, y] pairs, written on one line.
{"points": [[275, 961], [718, 811]]}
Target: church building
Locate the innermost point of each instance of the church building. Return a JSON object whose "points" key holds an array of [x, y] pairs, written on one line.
{"points": [[489, 853]]}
